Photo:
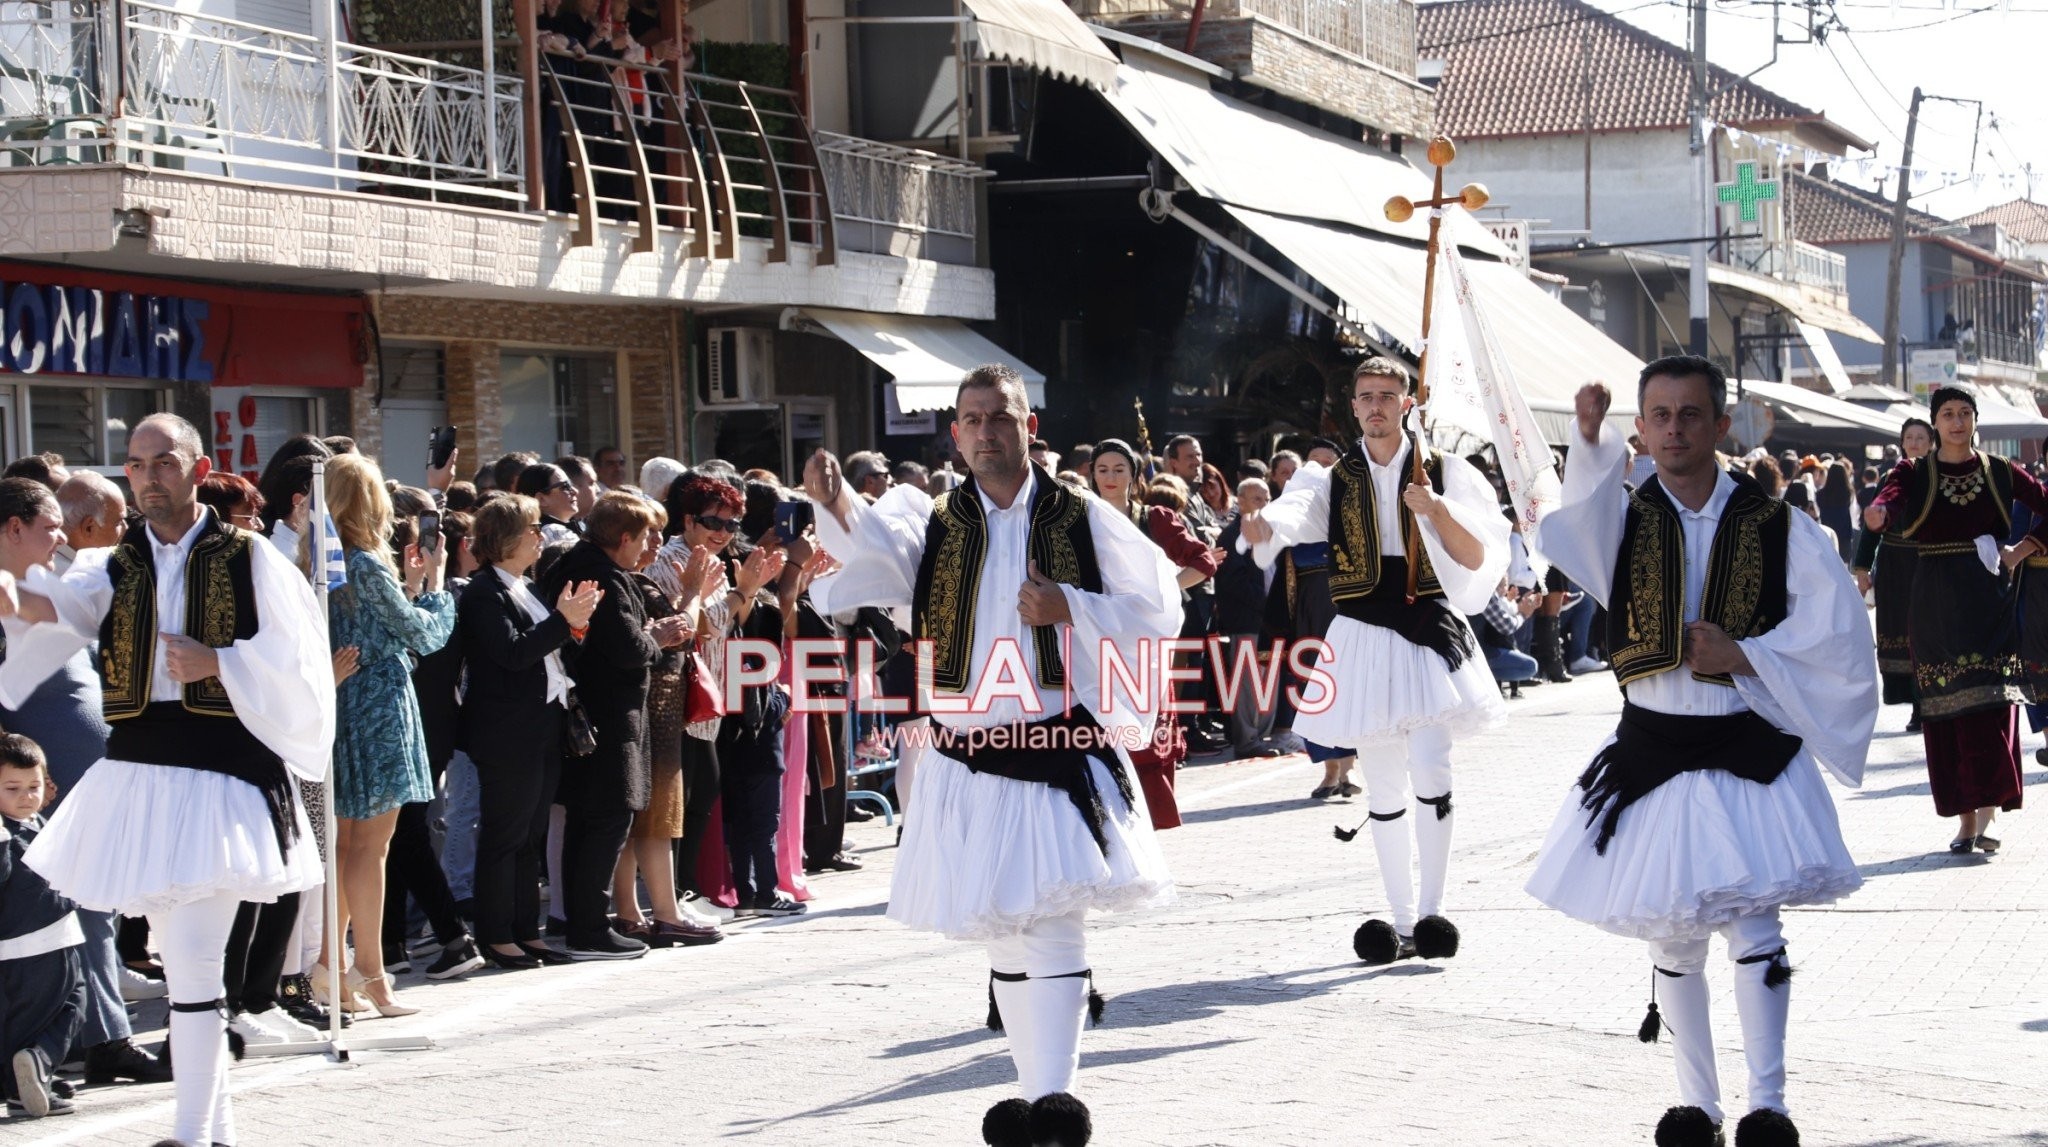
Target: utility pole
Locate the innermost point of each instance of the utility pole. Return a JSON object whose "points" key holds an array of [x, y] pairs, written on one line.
{"points": [[1697, 281], [1889, 373]]}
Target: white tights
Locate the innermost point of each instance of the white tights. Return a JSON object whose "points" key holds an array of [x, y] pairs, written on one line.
{"points": [[1763, 1011], [193, 940], [1423, 757], [1043, 1015]]}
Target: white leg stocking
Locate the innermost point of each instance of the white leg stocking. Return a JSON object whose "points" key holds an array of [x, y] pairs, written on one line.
{"points": [[1763, 1009], [1429, 766], [1043, 1014], [1682, 1000], [193, 941], [1385, 765]]}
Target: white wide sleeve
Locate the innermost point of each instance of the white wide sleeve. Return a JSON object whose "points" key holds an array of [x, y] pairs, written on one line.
{"points": [[879, 549], [1582, 536], [81, 598], [1137, 610], [1472, 504], [1816, 671], [1300, 514], [281, 681]]}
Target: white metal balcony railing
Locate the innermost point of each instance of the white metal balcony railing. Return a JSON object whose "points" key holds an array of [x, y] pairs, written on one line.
{"points": [[206, 93], [887, 196], [1793, 261], [1381, 32]]}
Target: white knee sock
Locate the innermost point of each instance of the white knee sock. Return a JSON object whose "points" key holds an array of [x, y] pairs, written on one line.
{"points": [[1013, 1003], [1429, 769], [1059, 1009], [1390, 842], [1764, 1010], [1043, 1015], [192, 939], [1683, 1002], [1385, 765]]}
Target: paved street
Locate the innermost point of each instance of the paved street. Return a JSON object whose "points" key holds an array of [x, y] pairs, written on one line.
{"points": [[1237, 1016]]}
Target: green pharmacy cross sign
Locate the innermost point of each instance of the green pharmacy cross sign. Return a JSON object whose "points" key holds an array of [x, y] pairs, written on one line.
{"points": [[1747, 191]]}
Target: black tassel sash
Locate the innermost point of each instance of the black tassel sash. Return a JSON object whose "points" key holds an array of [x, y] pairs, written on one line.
{"points": [[1651, 748], [1428, 622], [166, 733], [1047, 753]]}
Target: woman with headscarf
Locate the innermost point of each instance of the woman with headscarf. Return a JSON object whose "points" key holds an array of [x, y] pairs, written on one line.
{"points": [[1884, 562], [1956, 503], [1115, 473]]}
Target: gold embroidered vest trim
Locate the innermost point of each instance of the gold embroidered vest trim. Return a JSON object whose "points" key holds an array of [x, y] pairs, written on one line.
{"points": [[220, 609], [1355, 525]]}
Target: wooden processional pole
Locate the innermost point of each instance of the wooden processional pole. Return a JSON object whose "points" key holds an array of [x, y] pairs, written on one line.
{"points": [[1400, 209]]}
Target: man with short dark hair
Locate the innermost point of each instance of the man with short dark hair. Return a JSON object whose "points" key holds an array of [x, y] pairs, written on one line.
{"points": [[46, 469], [1747, 663], [1080, 458], [1409, 561], [216, 680], [583, 476], [612, 470], [505, 471], [1015, 575], [909, 473]]}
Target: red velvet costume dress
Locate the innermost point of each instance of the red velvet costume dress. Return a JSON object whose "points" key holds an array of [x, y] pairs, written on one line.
{"points": [[1965, 648], [1156, 763]]}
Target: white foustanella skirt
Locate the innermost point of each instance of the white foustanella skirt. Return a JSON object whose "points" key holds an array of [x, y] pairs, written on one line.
{"points": [[984, 856], [136, 839], [1387, 686], [1699, 851]]}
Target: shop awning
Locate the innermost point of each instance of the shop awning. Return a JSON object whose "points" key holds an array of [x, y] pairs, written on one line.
{"points": [[926, 356], [1243, 156], [1823, 418], [1043, 35], [1553, 351], [1794, 301]]}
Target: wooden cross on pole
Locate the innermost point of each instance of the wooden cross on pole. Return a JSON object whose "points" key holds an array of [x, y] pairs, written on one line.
{"points": [[1400, 209]]}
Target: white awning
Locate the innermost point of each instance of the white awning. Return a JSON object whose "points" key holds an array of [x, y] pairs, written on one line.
{"points": [[1824, 357], [1043, 35], [1828, 417], [1794, 301], [1553, 351], [1243, 156], [926, 356]]}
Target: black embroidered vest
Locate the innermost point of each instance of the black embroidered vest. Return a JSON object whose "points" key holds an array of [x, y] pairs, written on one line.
{"points": [[1745, 584], [1355, 565], [1923, 489], [220, 609], [949, 575]]}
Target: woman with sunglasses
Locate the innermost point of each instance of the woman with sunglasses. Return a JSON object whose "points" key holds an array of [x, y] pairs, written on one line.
{"points": [[547, 485]]}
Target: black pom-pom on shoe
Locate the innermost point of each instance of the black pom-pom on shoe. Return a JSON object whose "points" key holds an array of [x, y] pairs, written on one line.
{"points": [[1436, 938], [1060, 1120], [1376, 942], [1766, 1128], [1007, 1124], [1687, 1127]]}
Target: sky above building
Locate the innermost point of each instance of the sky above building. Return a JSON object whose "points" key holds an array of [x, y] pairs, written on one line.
{"points": [[1863, 71]]}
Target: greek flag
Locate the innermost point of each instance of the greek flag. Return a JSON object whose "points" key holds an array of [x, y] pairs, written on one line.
{"points": [[333, 560]]}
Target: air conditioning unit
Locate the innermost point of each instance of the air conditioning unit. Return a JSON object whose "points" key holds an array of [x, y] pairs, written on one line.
{"points": [[739, 365]]}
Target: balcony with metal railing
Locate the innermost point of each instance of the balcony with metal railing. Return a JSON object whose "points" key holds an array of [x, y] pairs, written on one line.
{"points": [[645, 149], [1793, 261]]}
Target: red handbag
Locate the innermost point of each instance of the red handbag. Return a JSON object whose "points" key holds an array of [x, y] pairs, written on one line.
{"points": [[701, 699]]}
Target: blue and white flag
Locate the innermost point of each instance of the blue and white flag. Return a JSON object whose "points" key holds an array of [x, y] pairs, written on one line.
{"points": [[333, 561]]}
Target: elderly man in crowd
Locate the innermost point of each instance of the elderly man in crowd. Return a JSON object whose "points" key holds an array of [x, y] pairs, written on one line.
{"points": [[867, 474], [94, 513], [612, 470]]}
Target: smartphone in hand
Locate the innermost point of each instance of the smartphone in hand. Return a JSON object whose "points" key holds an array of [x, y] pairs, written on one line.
{"points": [[792, 518], [430, 532], [440, 444]]}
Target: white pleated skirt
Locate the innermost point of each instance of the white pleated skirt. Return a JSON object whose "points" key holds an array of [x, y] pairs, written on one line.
{"points": [[985, 856], [1387, 686], [1699, 851], [137, 839]]}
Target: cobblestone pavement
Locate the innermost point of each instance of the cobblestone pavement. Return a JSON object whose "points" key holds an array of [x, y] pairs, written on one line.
{"points": [[1237, 1016]]}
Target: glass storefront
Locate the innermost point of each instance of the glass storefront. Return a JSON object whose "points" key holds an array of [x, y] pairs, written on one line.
{"points": [[558, 403]]}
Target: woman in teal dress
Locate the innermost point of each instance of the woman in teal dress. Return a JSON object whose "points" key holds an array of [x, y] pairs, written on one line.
{"points": [[380, 750]]}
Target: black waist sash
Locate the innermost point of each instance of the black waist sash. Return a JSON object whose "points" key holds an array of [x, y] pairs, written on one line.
{"points": [[1650, 748], [1429, 622], [1052, 752], [166, 733]]}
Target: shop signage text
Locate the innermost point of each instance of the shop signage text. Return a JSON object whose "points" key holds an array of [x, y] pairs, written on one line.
{"points": [[48, 329]]}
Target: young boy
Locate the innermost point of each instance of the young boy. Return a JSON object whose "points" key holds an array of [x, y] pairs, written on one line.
{"points": [[42, 981]]}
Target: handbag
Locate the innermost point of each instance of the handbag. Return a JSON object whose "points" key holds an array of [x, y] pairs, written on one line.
{"points": [[701, 701], [579, 734]]}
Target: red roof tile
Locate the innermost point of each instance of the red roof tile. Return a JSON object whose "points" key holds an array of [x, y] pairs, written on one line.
{"points": [[1513, 68], [1825, 213], [2023, 219]]}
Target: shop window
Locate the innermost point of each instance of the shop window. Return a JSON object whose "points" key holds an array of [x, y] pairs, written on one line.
{"points": [[88, 425], [413, 371], [557, 404]]}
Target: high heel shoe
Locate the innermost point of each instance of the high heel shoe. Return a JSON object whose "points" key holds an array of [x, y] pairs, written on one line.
{"points": [[351, 1005], [357, 982]]}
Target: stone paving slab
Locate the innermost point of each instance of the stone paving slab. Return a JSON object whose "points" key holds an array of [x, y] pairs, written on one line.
{"points": [[1238, 1016]]}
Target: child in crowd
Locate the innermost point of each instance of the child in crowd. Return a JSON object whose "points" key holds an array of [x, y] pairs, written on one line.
{"points": [[42, 982]]}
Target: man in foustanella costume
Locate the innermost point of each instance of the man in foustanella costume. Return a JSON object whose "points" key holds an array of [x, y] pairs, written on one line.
{"points": [[217, 684], [1746, 665], [1409, 678], [1019, 584]]}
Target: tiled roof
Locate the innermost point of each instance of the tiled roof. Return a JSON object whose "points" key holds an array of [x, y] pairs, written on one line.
{"points": [[2023, 219], [1825, 213], [1513, 68]]}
